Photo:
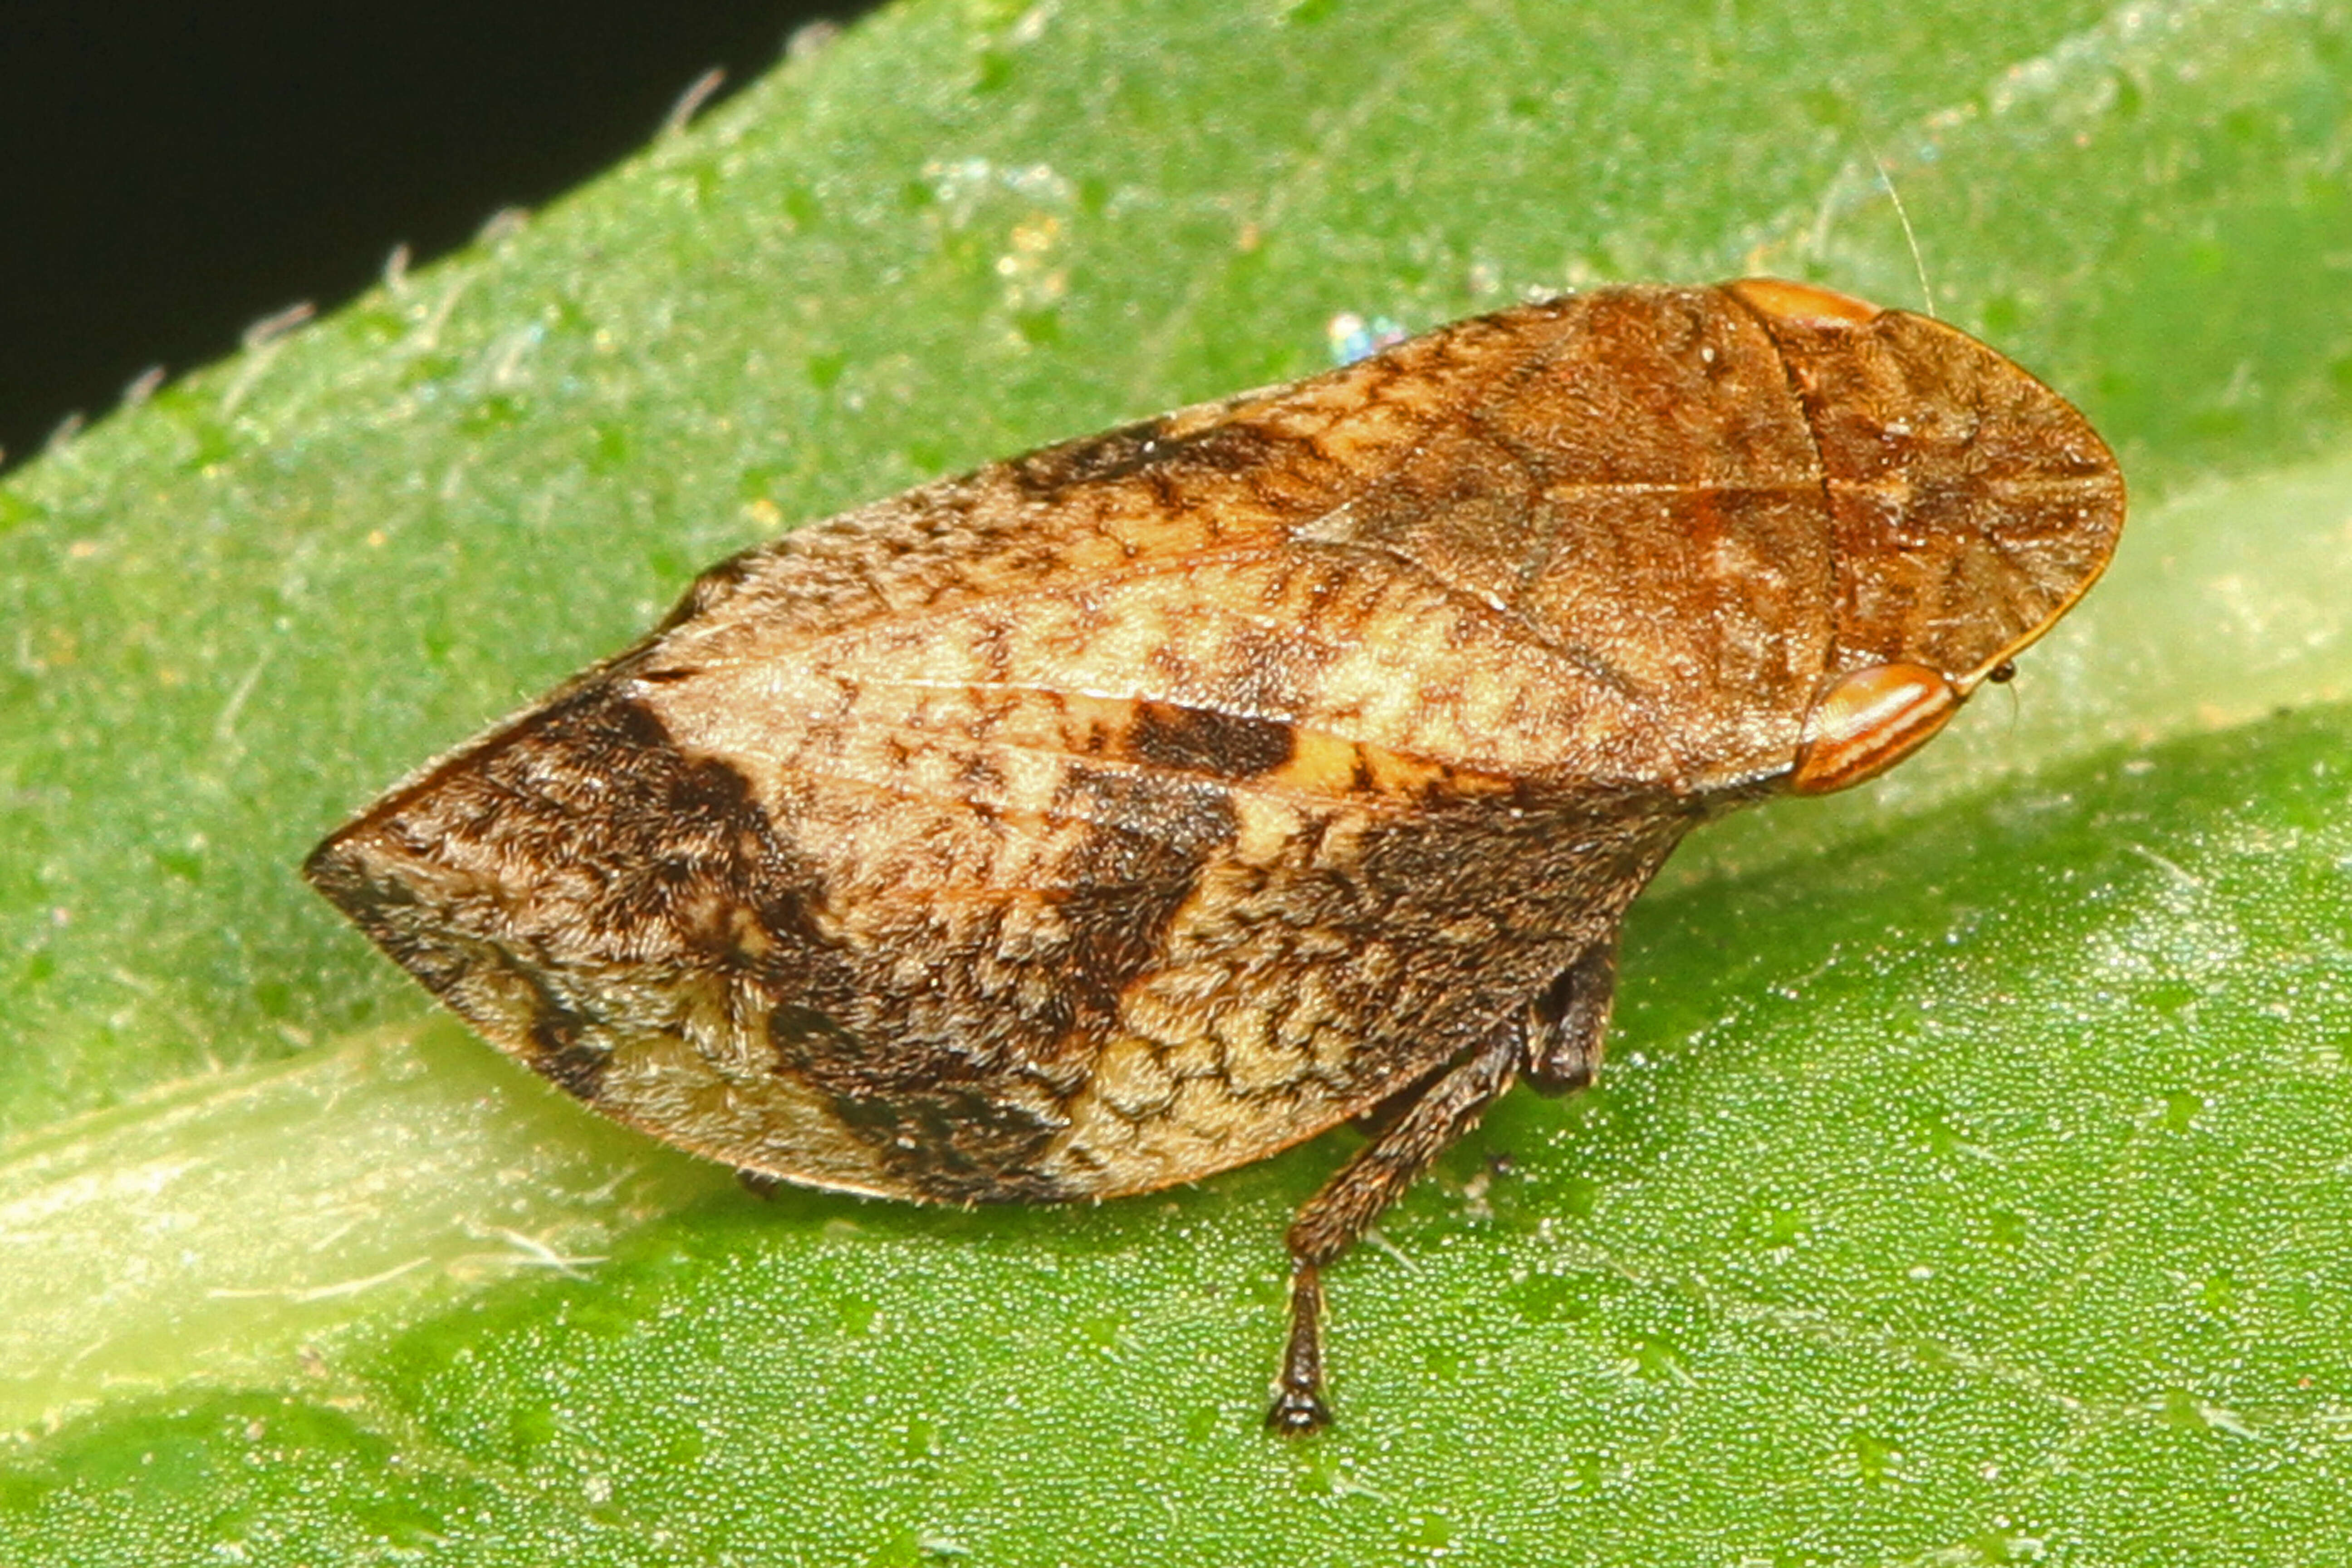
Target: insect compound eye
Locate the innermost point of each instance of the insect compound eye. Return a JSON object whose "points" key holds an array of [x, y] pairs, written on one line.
{"points": [[1867, 722]]}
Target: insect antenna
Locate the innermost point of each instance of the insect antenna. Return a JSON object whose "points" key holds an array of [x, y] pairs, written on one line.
{"points": [[1902, 215]]}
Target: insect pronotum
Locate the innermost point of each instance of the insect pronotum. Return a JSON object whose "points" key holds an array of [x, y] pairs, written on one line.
{"points": [[1135, 808]]}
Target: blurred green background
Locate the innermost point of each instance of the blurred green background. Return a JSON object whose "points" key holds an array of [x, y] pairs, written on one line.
{"points": [[1969, 1182]]}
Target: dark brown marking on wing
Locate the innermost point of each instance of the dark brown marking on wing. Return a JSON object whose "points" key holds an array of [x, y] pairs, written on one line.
{"points": [[957, 1116], [947, 1031], [520, 876], [1145, 451], [814, 1046], [687, 839], [1209, 741], [1115, 934], [1575, 861], [387, 909], [692, 878], [956, 1145], [563, 1052], [1129, 885], [1090, 459]]}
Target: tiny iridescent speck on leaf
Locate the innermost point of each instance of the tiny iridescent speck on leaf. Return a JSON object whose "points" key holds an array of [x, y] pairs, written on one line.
{"points": [[1143, 806]]}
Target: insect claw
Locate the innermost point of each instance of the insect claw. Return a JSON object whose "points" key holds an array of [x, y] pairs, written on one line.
{"points": [[1298, 1413]]}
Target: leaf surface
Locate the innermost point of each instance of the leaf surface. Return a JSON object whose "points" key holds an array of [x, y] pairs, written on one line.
{"points": [[1968, 1181]]}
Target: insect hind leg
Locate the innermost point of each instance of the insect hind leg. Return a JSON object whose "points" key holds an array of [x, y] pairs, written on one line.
{"points": [[1331, 1221]]}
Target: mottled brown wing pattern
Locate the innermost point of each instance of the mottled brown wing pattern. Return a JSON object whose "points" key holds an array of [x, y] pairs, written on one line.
{"points": [[1233, 473], [1014, 763], [1130, 937], [1134, 808]]}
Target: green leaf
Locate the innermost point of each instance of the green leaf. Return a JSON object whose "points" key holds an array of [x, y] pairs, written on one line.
{"points": [[1969, 1180]]}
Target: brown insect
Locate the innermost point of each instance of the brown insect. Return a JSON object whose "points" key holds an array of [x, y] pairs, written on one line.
{"points": [[1136, 808]]}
